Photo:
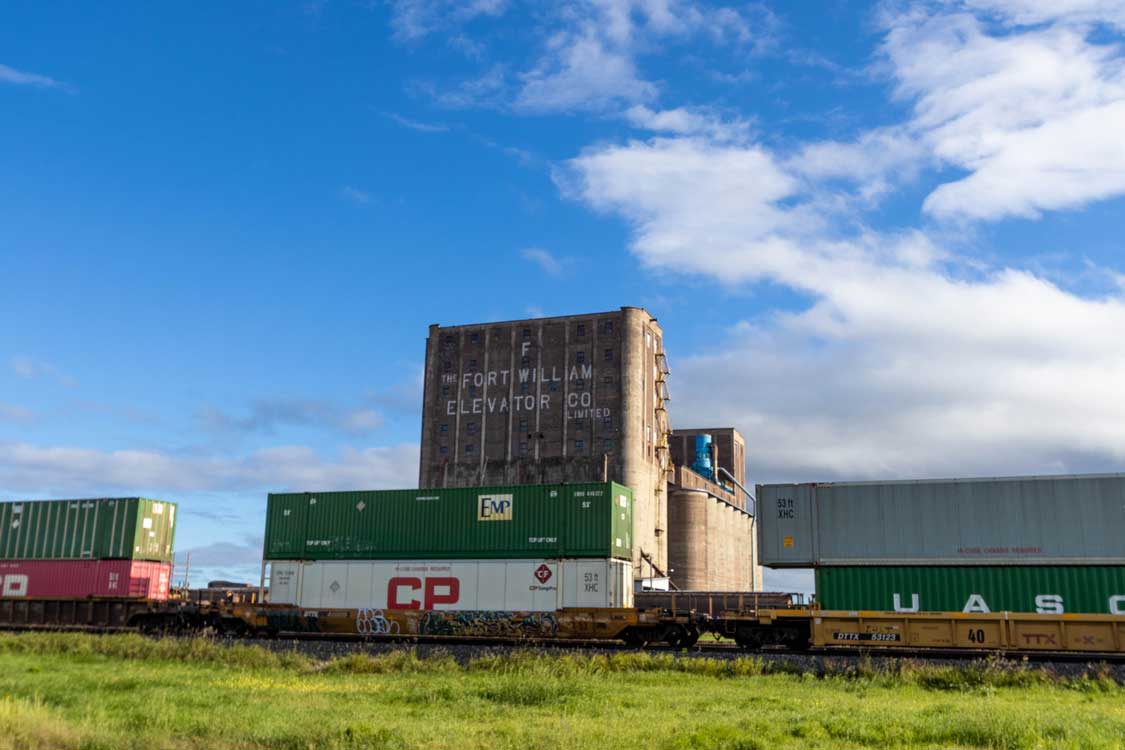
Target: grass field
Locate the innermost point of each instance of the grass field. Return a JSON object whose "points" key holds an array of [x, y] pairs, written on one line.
{"points": [[63, 691]]}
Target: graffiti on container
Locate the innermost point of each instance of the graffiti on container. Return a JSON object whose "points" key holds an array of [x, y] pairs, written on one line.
{"points": [[373, 622], [483, 623]]}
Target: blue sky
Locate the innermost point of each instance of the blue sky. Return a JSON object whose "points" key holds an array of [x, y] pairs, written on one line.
{"points": [[884, 240]]}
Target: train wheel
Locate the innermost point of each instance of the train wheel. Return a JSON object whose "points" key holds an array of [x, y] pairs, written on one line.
{"points": [[796, 640], [635, 638], [233, 627], [748, 639], [156, 625], [681, 636]]}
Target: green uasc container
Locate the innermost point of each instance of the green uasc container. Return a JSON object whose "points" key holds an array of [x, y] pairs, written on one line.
{"points": [[129, 528], [1048, 589], [528, 521]]}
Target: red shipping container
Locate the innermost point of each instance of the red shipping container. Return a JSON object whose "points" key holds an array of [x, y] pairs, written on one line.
{"points": [[82, 579]]}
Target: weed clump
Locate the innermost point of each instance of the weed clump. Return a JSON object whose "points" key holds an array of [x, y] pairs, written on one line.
{"points": [[135, 647], [979, 674], [392, 662]]}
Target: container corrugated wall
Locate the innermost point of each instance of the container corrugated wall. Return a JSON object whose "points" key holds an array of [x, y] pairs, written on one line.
{"points": [[286, 527], [155, 523], [1048, 589], [84, 579], [540, 585], [533, 521], [95, 529], [1066, 520]]}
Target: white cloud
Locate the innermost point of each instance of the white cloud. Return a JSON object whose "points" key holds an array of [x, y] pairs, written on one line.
{"points": [[355, 195], [909, 358], [268, 415], [1026, 12], [1025, 118], [1034, 116], [583, 70], [872, 163], [222, 554], [915, 373], [23, 78], [699, 121], [587, 50], [590, 58], [359, 421], [421, 127], [697, 206], [404, 397], [796, 581], [906, 361], [1029, 118], [489, 89], [544, 259], [47, 470], [414, 19], [14, 413], [32, 368]]}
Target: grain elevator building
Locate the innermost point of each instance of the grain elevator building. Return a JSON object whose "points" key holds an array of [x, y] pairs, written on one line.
{"points": [[711, 540], [579, 398]]}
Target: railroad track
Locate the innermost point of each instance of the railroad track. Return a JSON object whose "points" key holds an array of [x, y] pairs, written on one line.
{"points": [[329, 644], [725, 650], [820, 664]]}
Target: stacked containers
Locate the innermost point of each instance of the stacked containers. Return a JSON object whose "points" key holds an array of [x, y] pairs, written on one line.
{"points": [[76, 549], [523, 548], [1050, 545]]}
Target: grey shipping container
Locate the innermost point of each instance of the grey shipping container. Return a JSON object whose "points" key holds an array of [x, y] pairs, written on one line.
{"points": [[1052, 520]]}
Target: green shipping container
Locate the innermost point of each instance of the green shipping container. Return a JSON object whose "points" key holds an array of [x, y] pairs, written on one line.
{"points": [[126, 528], [529, 521], [1047, 589]]}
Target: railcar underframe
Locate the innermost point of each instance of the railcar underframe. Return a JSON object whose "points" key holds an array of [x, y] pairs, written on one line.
{"points": [[793, 628]]}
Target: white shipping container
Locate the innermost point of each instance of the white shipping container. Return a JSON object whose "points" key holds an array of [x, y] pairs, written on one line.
{"points": [[491, 585]]}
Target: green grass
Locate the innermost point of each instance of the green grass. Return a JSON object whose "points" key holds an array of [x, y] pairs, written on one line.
{"points": [[78, 691]]}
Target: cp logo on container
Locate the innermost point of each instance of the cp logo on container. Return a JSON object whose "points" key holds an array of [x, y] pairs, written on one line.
{"points": [[443, 590]]}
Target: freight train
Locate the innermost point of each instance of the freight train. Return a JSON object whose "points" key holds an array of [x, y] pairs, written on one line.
{"points": [[1013, 565]]}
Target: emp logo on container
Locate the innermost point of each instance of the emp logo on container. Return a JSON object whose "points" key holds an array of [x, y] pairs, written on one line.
{"points": [[494, 508]]}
